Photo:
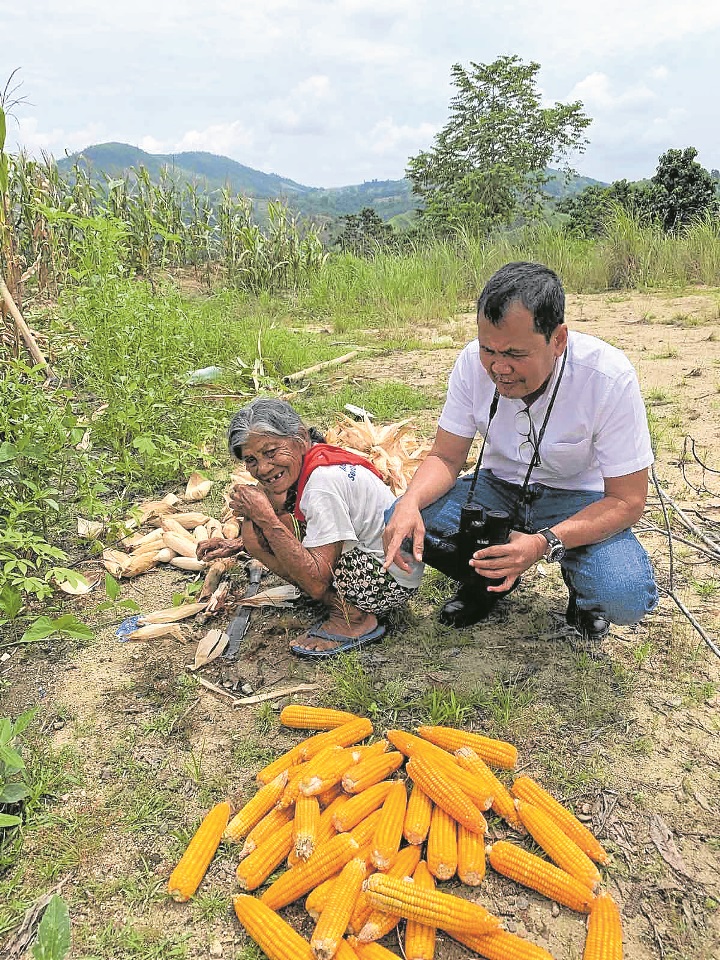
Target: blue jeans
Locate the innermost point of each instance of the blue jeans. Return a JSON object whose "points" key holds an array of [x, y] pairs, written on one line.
{"points": [[613, 577]]}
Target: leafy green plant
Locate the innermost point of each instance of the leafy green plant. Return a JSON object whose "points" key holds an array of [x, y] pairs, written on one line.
{"points": [[14, 787], [53, 936]]}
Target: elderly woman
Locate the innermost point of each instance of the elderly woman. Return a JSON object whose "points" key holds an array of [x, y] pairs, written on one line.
{"points": [[315, 518]]}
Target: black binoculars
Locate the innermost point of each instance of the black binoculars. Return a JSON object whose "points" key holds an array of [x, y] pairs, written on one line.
{"points": [[479, 528]]}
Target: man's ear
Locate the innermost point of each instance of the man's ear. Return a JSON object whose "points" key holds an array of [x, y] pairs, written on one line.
{"points": [[559, 339]]}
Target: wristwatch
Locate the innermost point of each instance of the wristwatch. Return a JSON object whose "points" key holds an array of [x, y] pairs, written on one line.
{"points": [[555, 549]]}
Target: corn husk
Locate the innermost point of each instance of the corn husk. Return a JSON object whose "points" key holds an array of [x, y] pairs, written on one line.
{"points": [[191, 519], [172, 614], [165, 555], [272, 597], [140, 564], [152, 546], [89, 529], [170, 525], [198, 487], [138, 539], [154, 630], [214, 528], [116, 562], [188, 563], [180, 544], [217, 571], [200, 533], [210, 648], [231, 529], [157, 508]]}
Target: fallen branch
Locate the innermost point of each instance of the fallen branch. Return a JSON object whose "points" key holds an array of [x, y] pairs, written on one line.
{"points": [[274, 694], [22, 328], [301, 374]]}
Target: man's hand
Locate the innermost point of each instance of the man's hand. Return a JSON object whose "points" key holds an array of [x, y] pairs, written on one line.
{"points": [[251, 503], [509, 560], [406, 522], [217, 548]]}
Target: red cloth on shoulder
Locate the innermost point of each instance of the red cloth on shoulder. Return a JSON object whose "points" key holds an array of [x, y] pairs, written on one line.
{"points": [[327, 455]]}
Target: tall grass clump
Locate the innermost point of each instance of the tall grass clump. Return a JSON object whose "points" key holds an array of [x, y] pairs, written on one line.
{"points": [[702, 240]]}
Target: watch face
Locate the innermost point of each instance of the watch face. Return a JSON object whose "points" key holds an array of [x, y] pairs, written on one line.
{"points": [[556, 552]]}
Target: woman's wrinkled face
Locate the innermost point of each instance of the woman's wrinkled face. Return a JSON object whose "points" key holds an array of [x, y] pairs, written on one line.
{"points": [[517, 358], [275, 462]]}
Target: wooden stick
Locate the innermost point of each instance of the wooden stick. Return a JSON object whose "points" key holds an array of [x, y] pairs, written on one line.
{"points": [[301, 374], [274, 694], [22, 327]]}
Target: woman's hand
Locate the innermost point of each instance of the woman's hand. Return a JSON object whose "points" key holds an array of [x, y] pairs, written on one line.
{"points": [[509, 560], [252, 503]]}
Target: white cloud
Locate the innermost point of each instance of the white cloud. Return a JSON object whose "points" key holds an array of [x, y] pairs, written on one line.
{"points": [[597, 94], [387, 137], [229, 139], [28, 135]]}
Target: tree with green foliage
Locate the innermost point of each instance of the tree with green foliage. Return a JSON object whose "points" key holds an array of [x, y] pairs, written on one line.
{"points": [[489, 162], [363, 233], [589, 211], [682, 189]]}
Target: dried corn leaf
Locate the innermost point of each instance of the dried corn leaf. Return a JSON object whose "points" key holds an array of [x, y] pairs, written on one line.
{"points": [[191, 519], [89, 529], [138, 539], [198, 487], [272, 597], [140, 564], [183, 545], [170, 525], [116, 562], [210, 647], [154, 508], [154, 630], [172, 614]]}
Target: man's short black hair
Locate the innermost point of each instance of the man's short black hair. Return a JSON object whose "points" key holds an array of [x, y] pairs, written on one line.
{"points": [[534, 285]]}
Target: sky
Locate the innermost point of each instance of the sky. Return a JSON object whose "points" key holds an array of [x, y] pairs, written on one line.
{"points": [[336, 92]]}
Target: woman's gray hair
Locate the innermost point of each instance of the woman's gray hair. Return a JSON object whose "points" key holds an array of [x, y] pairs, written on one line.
{"points": [[263, 415]]}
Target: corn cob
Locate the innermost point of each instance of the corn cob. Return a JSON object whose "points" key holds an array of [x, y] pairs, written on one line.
{"points": [[368, 772], [292, 788], [388, 833], [332, 793], [446, 794], [306, 825], [257, 866], [372, 750], [525, 788], [255, 809], [428, 906], [323, 774], [502, 803], [334, 918], [317, 899], [345, 951], [370, 950], [420, 938], [501, 945], [442, 845], [186, 877], [273, 935], [604, 936], [268, 826], [414, 747], [343, 736], [361, 806], [471, 856], [405, 865], [557, 845], [514, 862], [327, 860], [498, 753], [417, 816], [313, 718], [326, 829], [284, 762], [364, 832]]}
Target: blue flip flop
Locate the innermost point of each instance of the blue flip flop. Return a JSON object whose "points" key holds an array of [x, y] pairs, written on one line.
{"points": [[344, 644], [128, 626]]}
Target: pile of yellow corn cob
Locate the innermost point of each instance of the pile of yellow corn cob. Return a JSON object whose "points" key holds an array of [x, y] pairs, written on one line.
{"points": [[336, 812]]}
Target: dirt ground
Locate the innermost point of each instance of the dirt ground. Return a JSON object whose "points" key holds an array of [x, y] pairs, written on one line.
{"points": [[631, 741]]}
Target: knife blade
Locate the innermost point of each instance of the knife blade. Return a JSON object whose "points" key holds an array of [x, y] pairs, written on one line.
{"points": [[239, 624]]}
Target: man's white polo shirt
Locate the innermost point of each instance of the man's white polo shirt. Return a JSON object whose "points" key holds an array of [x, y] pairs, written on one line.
{"points": [[597, 428]]}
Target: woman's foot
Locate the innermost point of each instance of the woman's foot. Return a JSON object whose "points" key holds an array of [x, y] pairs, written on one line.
{"points": [[338, 628]]}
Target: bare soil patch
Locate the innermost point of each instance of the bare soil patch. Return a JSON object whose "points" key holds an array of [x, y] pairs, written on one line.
{"points": [[631, 741]]}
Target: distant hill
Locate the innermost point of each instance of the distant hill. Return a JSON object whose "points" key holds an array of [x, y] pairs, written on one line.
{"points": [[391, 199]]}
